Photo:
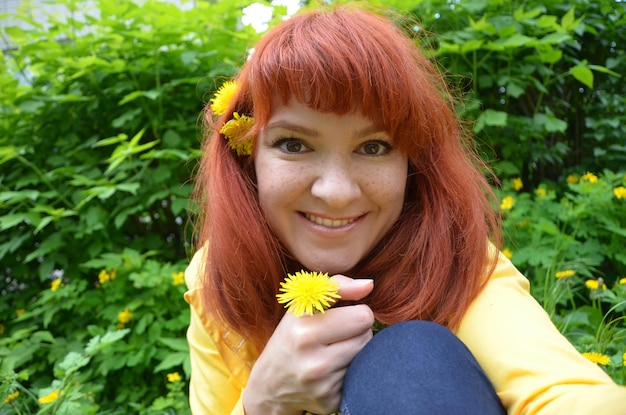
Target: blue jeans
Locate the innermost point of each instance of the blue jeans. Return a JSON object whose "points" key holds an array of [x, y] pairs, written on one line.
{"points": [[417, 367]]}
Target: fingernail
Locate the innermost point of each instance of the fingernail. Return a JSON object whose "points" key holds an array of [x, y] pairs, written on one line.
{"points": [[364, 281]]}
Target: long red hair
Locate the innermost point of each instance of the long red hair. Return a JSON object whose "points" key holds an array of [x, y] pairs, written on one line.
{"points": [[434, 261]]}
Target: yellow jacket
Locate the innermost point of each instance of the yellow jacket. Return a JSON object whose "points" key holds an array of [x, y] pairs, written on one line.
{"points": [[533, 368]]}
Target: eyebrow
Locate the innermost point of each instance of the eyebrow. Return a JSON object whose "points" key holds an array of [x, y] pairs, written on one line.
{"points": [[372, 129]]}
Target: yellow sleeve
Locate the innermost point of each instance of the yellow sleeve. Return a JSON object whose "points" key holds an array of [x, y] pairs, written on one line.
{"points": [[218, 373], [534, 368]]}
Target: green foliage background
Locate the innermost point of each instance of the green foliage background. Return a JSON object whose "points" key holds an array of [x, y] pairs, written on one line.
{"points": [[99, 138]]}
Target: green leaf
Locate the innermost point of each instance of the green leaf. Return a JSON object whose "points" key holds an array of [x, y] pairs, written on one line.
{"points": [[180, 345], [550, 123], [171, 360], [99, 342], [492, 118], [583, 74], [73, 362]]}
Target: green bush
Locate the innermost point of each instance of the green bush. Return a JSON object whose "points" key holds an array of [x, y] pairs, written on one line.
{"points": [[98, 141], [569, 240], [543, 80]]}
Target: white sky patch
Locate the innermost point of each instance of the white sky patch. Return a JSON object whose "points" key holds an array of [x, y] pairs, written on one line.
{"points": [[258, 15]]}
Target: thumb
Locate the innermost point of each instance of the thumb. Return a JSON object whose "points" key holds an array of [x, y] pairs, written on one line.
{"points": [[353, 289]]}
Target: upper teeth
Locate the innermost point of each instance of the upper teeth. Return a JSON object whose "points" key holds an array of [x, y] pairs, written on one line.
{"points": [[328, 222]]}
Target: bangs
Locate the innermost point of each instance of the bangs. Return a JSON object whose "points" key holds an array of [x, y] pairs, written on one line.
{"points": [[336, 62]]}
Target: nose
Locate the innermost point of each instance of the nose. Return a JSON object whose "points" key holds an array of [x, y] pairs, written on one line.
{"points": [[336, 183]]}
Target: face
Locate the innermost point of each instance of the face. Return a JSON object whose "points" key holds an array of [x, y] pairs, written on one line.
{"points": [[330, 186]]}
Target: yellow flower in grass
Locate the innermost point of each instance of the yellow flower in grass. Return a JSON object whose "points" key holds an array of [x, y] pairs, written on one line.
{"points": [[105, 276], [178, 277], [517, 184], [55, 284], [507, 253], [565, 273], [507, 203], [595, 284], [19, 312], [51, 397], [597, 358], [622, 280], [308, 292], [123, 317], [624, 358], [222, 98], [173, 377], [541, 192], [589, 177], [235, 129], [12, 396], [572, 179], [620, 192]]}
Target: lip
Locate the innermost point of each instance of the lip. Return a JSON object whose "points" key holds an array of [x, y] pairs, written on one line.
{"points": [[329, 223]]}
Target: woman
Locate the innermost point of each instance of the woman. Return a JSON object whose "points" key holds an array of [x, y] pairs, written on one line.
{"points": [[338, 151]]}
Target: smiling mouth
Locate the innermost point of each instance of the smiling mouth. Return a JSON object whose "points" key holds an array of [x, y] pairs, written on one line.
{"points": [[331, 223]]}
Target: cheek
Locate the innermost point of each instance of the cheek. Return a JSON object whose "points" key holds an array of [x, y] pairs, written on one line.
{"points": [[277, 183], [388, 186]]}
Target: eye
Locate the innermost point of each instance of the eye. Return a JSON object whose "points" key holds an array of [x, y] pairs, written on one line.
{"points": [[291, 145], [375, 148]]}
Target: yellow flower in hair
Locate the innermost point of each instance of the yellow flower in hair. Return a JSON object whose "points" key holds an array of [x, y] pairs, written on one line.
{"points": [[235, 129], [224, 95], [308, 292]]}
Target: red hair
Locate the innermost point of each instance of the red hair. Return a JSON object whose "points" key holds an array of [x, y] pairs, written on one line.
{"points": [[434, 261]]}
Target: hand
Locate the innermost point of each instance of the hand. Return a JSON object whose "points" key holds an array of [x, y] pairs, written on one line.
{"points": [[303, 364]]}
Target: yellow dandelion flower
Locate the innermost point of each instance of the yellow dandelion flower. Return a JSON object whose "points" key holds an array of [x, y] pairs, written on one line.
{"points": [[19, 312], [595, 285], [565, 273], [124, 316], [223, 97], [55, 284], [104, 276], [624, 358], [597, 358], [178, 277], [173, 377], [622, 280], [507, 203], [589, 177], [51, 397], [620, 192], [306, 292], [572, 179], [12, 396], [235, 129], [518, 184], [541, 192], [507, 253]]}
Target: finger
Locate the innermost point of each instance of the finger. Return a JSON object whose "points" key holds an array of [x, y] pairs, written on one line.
{"points": [[342, 323], [353, 289]]}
